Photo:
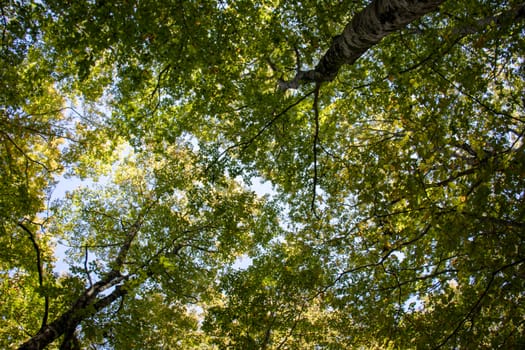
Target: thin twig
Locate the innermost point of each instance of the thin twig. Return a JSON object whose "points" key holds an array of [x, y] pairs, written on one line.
{"points": [[474, 98], [86, 267], [157, 86]]}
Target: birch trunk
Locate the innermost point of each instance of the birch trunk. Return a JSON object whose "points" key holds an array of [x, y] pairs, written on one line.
{"points": [[366, 29]]}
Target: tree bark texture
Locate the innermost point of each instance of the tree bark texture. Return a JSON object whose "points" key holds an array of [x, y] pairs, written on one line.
{"points": [[366, 29]]}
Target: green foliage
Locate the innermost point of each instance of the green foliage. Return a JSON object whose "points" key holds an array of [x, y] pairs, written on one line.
{"points": [[396, 218]]}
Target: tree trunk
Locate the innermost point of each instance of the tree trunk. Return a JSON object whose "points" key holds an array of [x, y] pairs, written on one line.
{"points": [[367, 28], [69, 321], [87, 304]]}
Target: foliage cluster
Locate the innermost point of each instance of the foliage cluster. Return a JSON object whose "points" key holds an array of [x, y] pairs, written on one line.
{"points": [[396, 217]]}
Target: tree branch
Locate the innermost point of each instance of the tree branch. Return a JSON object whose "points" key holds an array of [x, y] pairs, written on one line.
{"points": [[245, 144], [376, 21], [87, 304], [69, 320], [24, 154], [316, 142], [478, 302], [367, 28], [40, 272], [514, 14], [86, 266]]}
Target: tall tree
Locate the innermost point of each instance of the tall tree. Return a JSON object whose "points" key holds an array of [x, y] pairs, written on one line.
{"points": [[157, 236], [392, 132], [32, 128]]}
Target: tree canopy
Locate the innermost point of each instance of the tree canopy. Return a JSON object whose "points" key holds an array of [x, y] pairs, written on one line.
{"points": [[391, 133]]}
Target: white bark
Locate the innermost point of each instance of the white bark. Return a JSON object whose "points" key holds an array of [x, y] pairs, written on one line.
{"points": [[366, 29]]}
